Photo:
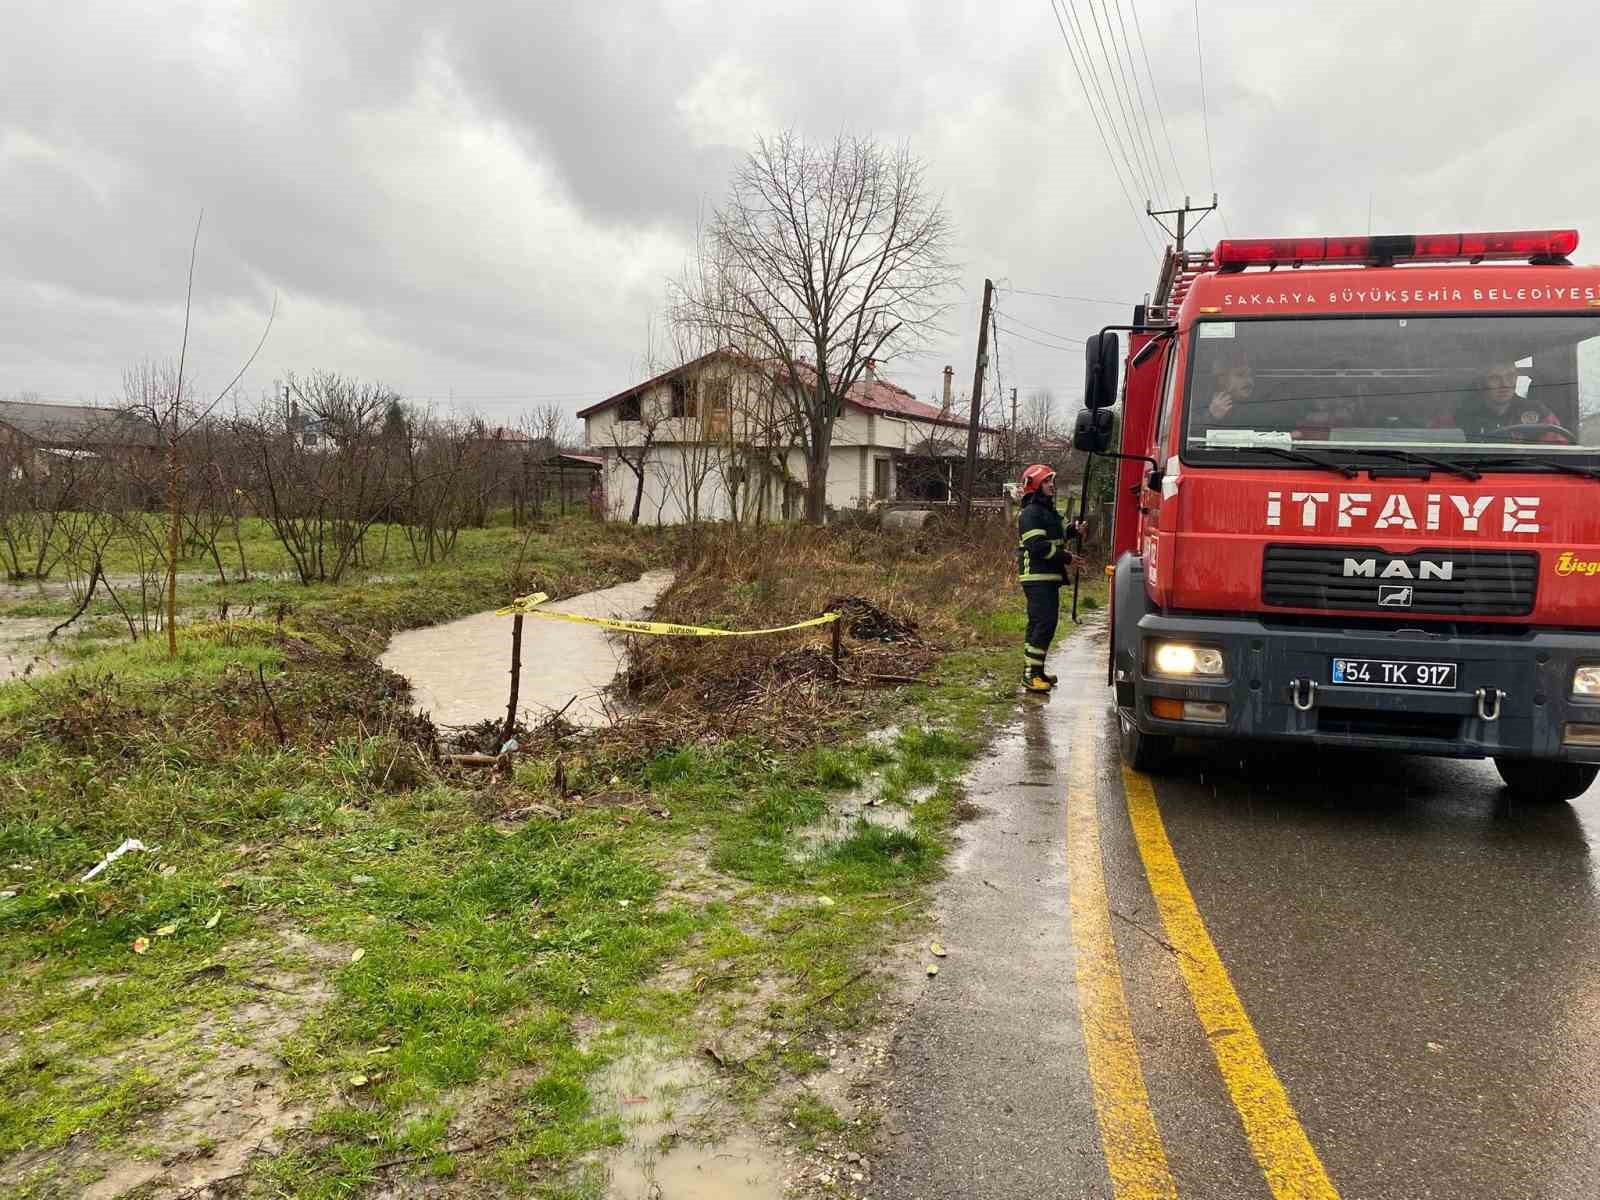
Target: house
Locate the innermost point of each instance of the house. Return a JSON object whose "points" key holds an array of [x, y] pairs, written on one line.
{"points": [[52, 432], [716, 438]]}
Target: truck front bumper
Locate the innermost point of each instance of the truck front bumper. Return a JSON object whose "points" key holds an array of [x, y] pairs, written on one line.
{"points": [[1512, 694]]}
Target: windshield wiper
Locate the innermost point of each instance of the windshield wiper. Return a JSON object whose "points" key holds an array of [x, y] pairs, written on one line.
{"points": [[1315, 460], [1411, 456], [1553, 464]]}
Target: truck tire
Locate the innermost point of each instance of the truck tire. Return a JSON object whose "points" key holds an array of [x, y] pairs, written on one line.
{"points": [[1535, 780], [1147, 752]]}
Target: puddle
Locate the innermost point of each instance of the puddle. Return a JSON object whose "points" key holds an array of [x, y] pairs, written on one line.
{"points": [[845, 811], [22, 645], [460, 671], [848, 809], [679, 1144]]}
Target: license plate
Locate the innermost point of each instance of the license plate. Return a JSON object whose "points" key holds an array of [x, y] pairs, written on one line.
{"points": [[1386, 672]]}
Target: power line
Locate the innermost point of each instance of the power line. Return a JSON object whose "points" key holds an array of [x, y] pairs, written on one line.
{"points": [[1076, 20], [1205, 119], [459, 396], [1040, 329], [994, 312], [1160, 112], [1076, 343], [1078, 299], [1100, 129], [1138, 92], [1122, 106], [1083, 51]]}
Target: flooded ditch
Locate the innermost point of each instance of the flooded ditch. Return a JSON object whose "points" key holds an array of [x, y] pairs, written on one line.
{"points": [[460, 672]]}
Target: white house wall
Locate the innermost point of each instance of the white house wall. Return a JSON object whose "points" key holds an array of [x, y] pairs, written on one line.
{"points": [[860, 438]]}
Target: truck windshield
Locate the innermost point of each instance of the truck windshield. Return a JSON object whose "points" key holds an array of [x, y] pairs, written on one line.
{"points": [[1517, 388]]}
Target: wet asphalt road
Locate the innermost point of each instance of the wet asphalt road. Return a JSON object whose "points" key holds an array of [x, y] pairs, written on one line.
{"points": [[1420, 963]]}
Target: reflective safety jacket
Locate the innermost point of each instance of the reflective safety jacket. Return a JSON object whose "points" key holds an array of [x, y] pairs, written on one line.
{"points": [[1041, 553]]}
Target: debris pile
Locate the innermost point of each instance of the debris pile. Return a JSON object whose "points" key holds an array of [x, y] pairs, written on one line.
{"points": [[866, 622]]}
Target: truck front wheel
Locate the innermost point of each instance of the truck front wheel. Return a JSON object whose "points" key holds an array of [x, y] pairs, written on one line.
{"points": [[1531, 779], [1147, 752]]}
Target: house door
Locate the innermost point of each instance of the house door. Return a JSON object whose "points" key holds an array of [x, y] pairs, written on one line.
{"points": [[882, 469]]}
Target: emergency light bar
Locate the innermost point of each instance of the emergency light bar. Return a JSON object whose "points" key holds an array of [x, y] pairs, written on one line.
{"points": [[1235, 254]]}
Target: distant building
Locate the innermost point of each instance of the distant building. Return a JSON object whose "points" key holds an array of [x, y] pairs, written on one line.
{"points": [[52, 432], [722, 441]]}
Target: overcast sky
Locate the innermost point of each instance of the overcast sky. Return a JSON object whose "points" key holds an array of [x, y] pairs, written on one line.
{"points": [[486, 204]]}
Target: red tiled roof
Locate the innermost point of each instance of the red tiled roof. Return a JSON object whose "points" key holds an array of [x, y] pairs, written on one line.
{"points": [[878, 396], [894, 401], [883, 396]]}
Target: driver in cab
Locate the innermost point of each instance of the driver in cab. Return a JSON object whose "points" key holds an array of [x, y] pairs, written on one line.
{"points": [[1495, 406], [1231, 403]]}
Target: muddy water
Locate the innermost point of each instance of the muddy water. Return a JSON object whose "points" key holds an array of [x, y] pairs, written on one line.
{"points": [[678, 1144], [22, 644], [460, 671]]}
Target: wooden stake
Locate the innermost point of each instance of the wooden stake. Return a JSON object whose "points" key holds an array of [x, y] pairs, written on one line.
{"points": [[516, 676], [838, 634]]}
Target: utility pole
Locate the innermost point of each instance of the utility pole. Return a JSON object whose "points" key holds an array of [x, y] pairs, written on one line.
{"points": [[977, 402], [1013, 439], [1182, 215]]}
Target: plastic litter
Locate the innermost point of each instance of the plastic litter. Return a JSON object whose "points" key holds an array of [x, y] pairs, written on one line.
{"points": [[130, 844]]}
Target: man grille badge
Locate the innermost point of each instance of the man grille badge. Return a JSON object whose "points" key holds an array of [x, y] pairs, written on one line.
{"points": [[1394, 596]]}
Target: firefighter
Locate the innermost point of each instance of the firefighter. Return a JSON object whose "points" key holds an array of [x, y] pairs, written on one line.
{"points": [[1497, 406], [1042, 562]]}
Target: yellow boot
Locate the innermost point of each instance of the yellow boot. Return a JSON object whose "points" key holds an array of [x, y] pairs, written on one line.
{"points": [[1035, 680]]}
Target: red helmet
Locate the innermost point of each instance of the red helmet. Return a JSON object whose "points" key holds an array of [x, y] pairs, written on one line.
{"points": [[1035, 477]]}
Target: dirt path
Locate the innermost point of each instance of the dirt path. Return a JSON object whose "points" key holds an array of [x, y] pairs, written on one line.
{"points": [[460, 671]]}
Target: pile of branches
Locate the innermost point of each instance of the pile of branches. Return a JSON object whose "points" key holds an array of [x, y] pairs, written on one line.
{"points": [[864, 621]]}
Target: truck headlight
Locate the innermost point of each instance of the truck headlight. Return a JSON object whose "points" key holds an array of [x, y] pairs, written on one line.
{"points": [[1586, 683], [1180, 658]]}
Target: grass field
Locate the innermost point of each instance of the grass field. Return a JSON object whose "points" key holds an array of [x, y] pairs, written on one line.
{"points": [[390, 592], [418, 972]]}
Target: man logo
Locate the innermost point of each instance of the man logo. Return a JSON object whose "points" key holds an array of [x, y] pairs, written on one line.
{"points": [[1398, 568], [1393, 596]]}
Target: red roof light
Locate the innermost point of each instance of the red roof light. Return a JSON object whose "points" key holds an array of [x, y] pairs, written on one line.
{"points": [[1238, 253]]}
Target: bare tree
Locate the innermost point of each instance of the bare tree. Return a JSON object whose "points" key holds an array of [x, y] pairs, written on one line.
{"points": [[322, 498], [634, 453], [175, 416], [825, 257], [555, 425]]}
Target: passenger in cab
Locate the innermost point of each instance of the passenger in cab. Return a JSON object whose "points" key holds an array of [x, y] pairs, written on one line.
{"points": [[1228, 406], [1320, 414], [1496, 405]]}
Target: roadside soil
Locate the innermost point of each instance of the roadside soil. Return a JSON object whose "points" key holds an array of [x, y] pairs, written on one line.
{"points": [[658, 952]]}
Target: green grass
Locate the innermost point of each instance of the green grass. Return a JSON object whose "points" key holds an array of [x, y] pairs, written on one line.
{"points": [[389, 591], [484, 947]]}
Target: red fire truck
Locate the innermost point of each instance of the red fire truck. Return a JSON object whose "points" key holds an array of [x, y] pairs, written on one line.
{"points": [[1358, 501]]}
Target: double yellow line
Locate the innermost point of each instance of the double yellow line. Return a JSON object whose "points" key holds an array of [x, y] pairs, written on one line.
{"points": [[1135, 1156]]}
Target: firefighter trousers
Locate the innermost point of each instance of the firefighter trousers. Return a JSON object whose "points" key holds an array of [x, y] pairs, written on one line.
{"points": [[1044, 612]]}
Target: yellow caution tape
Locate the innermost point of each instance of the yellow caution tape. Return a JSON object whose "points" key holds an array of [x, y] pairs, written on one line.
{"points": [[529, 606]]}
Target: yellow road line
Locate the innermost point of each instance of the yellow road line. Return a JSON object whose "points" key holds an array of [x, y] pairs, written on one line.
{"points": [[1134, 1154], [1280, 1145]]}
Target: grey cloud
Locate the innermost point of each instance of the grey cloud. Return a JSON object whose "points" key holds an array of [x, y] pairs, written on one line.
{"points": [[490, 200]]}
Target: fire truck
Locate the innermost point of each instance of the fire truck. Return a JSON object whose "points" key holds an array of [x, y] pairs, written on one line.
{"points": [[1358, 501]]}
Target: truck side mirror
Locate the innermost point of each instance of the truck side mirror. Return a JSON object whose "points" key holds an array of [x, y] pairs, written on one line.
{"points": [[1100, 373], [1092, 432]]}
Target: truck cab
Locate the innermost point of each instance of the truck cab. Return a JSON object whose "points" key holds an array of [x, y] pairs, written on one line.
{"points": [[1358, 501]]}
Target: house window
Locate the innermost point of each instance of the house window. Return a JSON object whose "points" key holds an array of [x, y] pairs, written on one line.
{"points": [[716, 408], [628, 410], [685, 400]]}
